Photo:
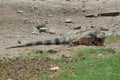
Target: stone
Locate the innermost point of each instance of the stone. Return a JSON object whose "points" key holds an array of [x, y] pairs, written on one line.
{"points": [[103, 14], [51, 32], [109, 14], [50, 15], [93, 26], [35, 31], [43, 29], [27, 21], [77, 27], [40, 26], [66, 56], [67, 0], [103, 29], [9, 79], [91, 15], [118, 34], [68, 21], [76, 8], [83, 10], [35, 7], [19, 42], [54, 68], [20, 11], [100, 55], [49, 0], [51, 51]]}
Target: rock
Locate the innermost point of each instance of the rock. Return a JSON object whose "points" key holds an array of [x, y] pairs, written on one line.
{"points": [[49, 0], [83, 10], [50, 15], [54, 68], [103, 14], [92, 26], [103, 29], [9, 79], [109, 14], [38, 22], [91, 15], [27, 21], [36, 31], [43, 29], [35, 7], [20, 11], [100, 55], [67, 0], [76, 8], [40, 26], [52, 51], [66, 56], [68, 21], [77, 27], [51, 32], [19, 42], [118, 34]]}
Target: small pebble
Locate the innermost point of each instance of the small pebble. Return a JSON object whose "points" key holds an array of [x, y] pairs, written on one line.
{"points": [[77, 27], [54, 68], [68, 21], [20, 11]]}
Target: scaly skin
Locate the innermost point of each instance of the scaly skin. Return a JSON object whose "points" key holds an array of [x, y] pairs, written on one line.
{"points": [[86, 38]]}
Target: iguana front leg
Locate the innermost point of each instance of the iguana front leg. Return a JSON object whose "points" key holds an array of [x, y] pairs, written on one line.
{"points": [[82, 41]]}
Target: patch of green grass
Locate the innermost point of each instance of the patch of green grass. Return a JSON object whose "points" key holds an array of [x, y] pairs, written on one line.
{"points": [[43, 77], [29, 62], [99, 69], [61, 60], [103, 68], [4, 59], [36, 54], [112, 38], [86, 53]]}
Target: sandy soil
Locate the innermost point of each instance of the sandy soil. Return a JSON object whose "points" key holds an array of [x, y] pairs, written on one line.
{"points": [[19, 17]]}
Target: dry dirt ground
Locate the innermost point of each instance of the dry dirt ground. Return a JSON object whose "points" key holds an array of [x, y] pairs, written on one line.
{"points": [[19, 17]]}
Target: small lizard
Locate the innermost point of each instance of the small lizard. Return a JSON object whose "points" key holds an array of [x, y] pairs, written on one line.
{"points": [[88, 37]]}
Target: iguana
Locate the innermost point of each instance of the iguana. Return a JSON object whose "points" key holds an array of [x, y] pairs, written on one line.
{"points": [[89, 37]]}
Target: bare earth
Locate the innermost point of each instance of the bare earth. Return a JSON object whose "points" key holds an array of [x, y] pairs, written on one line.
{"points": [[19, 17]]}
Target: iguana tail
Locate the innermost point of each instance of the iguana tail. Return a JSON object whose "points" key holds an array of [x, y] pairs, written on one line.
{"points": [[57, 41]]}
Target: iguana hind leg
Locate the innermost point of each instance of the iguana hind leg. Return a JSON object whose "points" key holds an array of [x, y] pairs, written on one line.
{"points": [[74, 43]]}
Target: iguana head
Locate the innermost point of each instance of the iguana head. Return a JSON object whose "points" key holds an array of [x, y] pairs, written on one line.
{"points": [[96, 36]]}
